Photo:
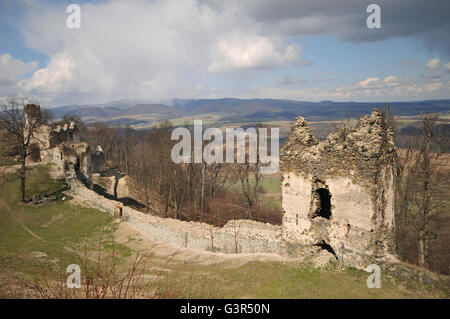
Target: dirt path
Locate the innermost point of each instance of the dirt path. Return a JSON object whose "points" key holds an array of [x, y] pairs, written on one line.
{"points": [[19, 218], [31, 233]]}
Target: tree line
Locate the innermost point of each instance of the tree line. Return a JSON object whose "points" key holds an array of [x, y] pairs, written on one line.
{"points": [[190, 191]]}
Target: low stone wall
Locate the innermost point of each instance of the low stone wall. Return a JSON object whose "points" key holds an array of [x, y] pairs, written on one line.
{"points": [[237, 236]]}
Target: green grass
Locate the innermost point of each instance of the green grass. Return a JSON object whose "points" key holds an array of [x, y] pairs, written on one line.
{"points": [[271, 187], [270, 184], [54, 225], [291, 280]]}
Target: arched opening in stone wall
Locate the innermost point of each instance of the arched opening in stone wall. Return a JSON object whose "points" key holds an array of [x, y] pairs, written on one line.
{"points": [[324, 209], [77, 165], [320, 200]]}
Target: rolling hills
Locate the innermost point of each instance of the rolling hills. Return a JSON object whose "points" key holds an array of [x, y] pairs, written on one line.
{"points": [[232, 110]]}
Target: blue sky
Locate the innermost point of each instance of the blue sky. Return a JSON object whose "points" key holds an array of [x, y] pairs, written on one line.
{"points": [[158, 50]]}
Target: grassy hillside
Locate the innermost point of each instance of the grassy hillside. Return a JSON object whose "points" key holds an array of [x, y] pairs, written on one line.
{"points": [[34, 238]]}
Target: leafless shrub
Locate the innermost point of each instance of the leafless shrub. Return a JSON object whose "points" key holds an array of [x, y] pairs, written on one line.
{"points": [[102, 279]]}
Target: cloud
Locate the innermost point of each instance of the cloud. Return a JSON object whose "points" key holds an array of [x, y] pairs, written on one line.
{"points": [[371, 89], [135, 49], [407, 62], [447, 67], [185, 48], [436, 86], [244, 51], [371, 82], [431, 76], [289, 80], [54, 76], [141, 49], [433, 63], [346, 19], [11, 71]]}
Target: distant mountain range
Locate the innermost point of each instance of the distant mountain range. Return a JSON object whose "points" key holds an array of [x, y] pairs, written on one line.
{"points": [[239, 110]]}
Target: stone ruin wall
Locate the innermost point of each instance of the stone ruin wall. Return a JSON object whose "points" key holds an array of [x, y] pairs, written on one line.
{"points": [[61, 145], [338, 194], [237, 236]]}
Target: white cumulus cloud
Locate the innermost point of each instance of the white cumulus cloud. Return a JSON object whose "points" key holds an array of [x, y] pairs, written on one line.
{"points": [[447, 67], [243, 51], [433, 63], [11, 71], [371, 89]]}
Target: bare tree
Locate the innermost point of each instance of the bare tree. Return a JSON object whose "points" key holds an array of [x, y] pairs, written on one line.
{"points": [[250, 177], [127, 142], [144, 171], [21, 119], [419, 188]]}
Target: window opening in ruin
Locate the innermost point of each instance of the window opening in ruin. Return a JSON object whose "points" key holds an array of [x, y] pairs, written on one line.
{"points": [[323, 203], [35, 154], [325, 246], [77, 165]]}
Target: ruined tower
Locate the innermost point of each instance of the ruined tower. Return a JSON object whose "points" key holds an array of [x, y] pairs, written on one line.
{"points": [[338, 194], [32, 111], [61, 145]]}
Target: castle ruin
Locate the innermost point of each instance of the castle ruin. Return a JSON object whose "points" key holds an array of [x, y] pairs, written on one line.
{"points": [[338, 194], [61, 145]]}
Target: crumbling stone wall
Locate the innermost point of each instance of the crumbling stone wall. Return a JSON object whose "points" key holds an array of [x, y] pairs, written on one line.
{"points": [[338, 194], [61, 145], [66, 133], [78, 156], [237, 236], [49, 140]]}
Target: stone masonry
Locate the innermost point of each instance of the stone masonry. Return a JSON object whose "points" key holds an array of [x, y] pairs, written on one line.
{"points": [[338, 194], [237, 236], [61, 145]]}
